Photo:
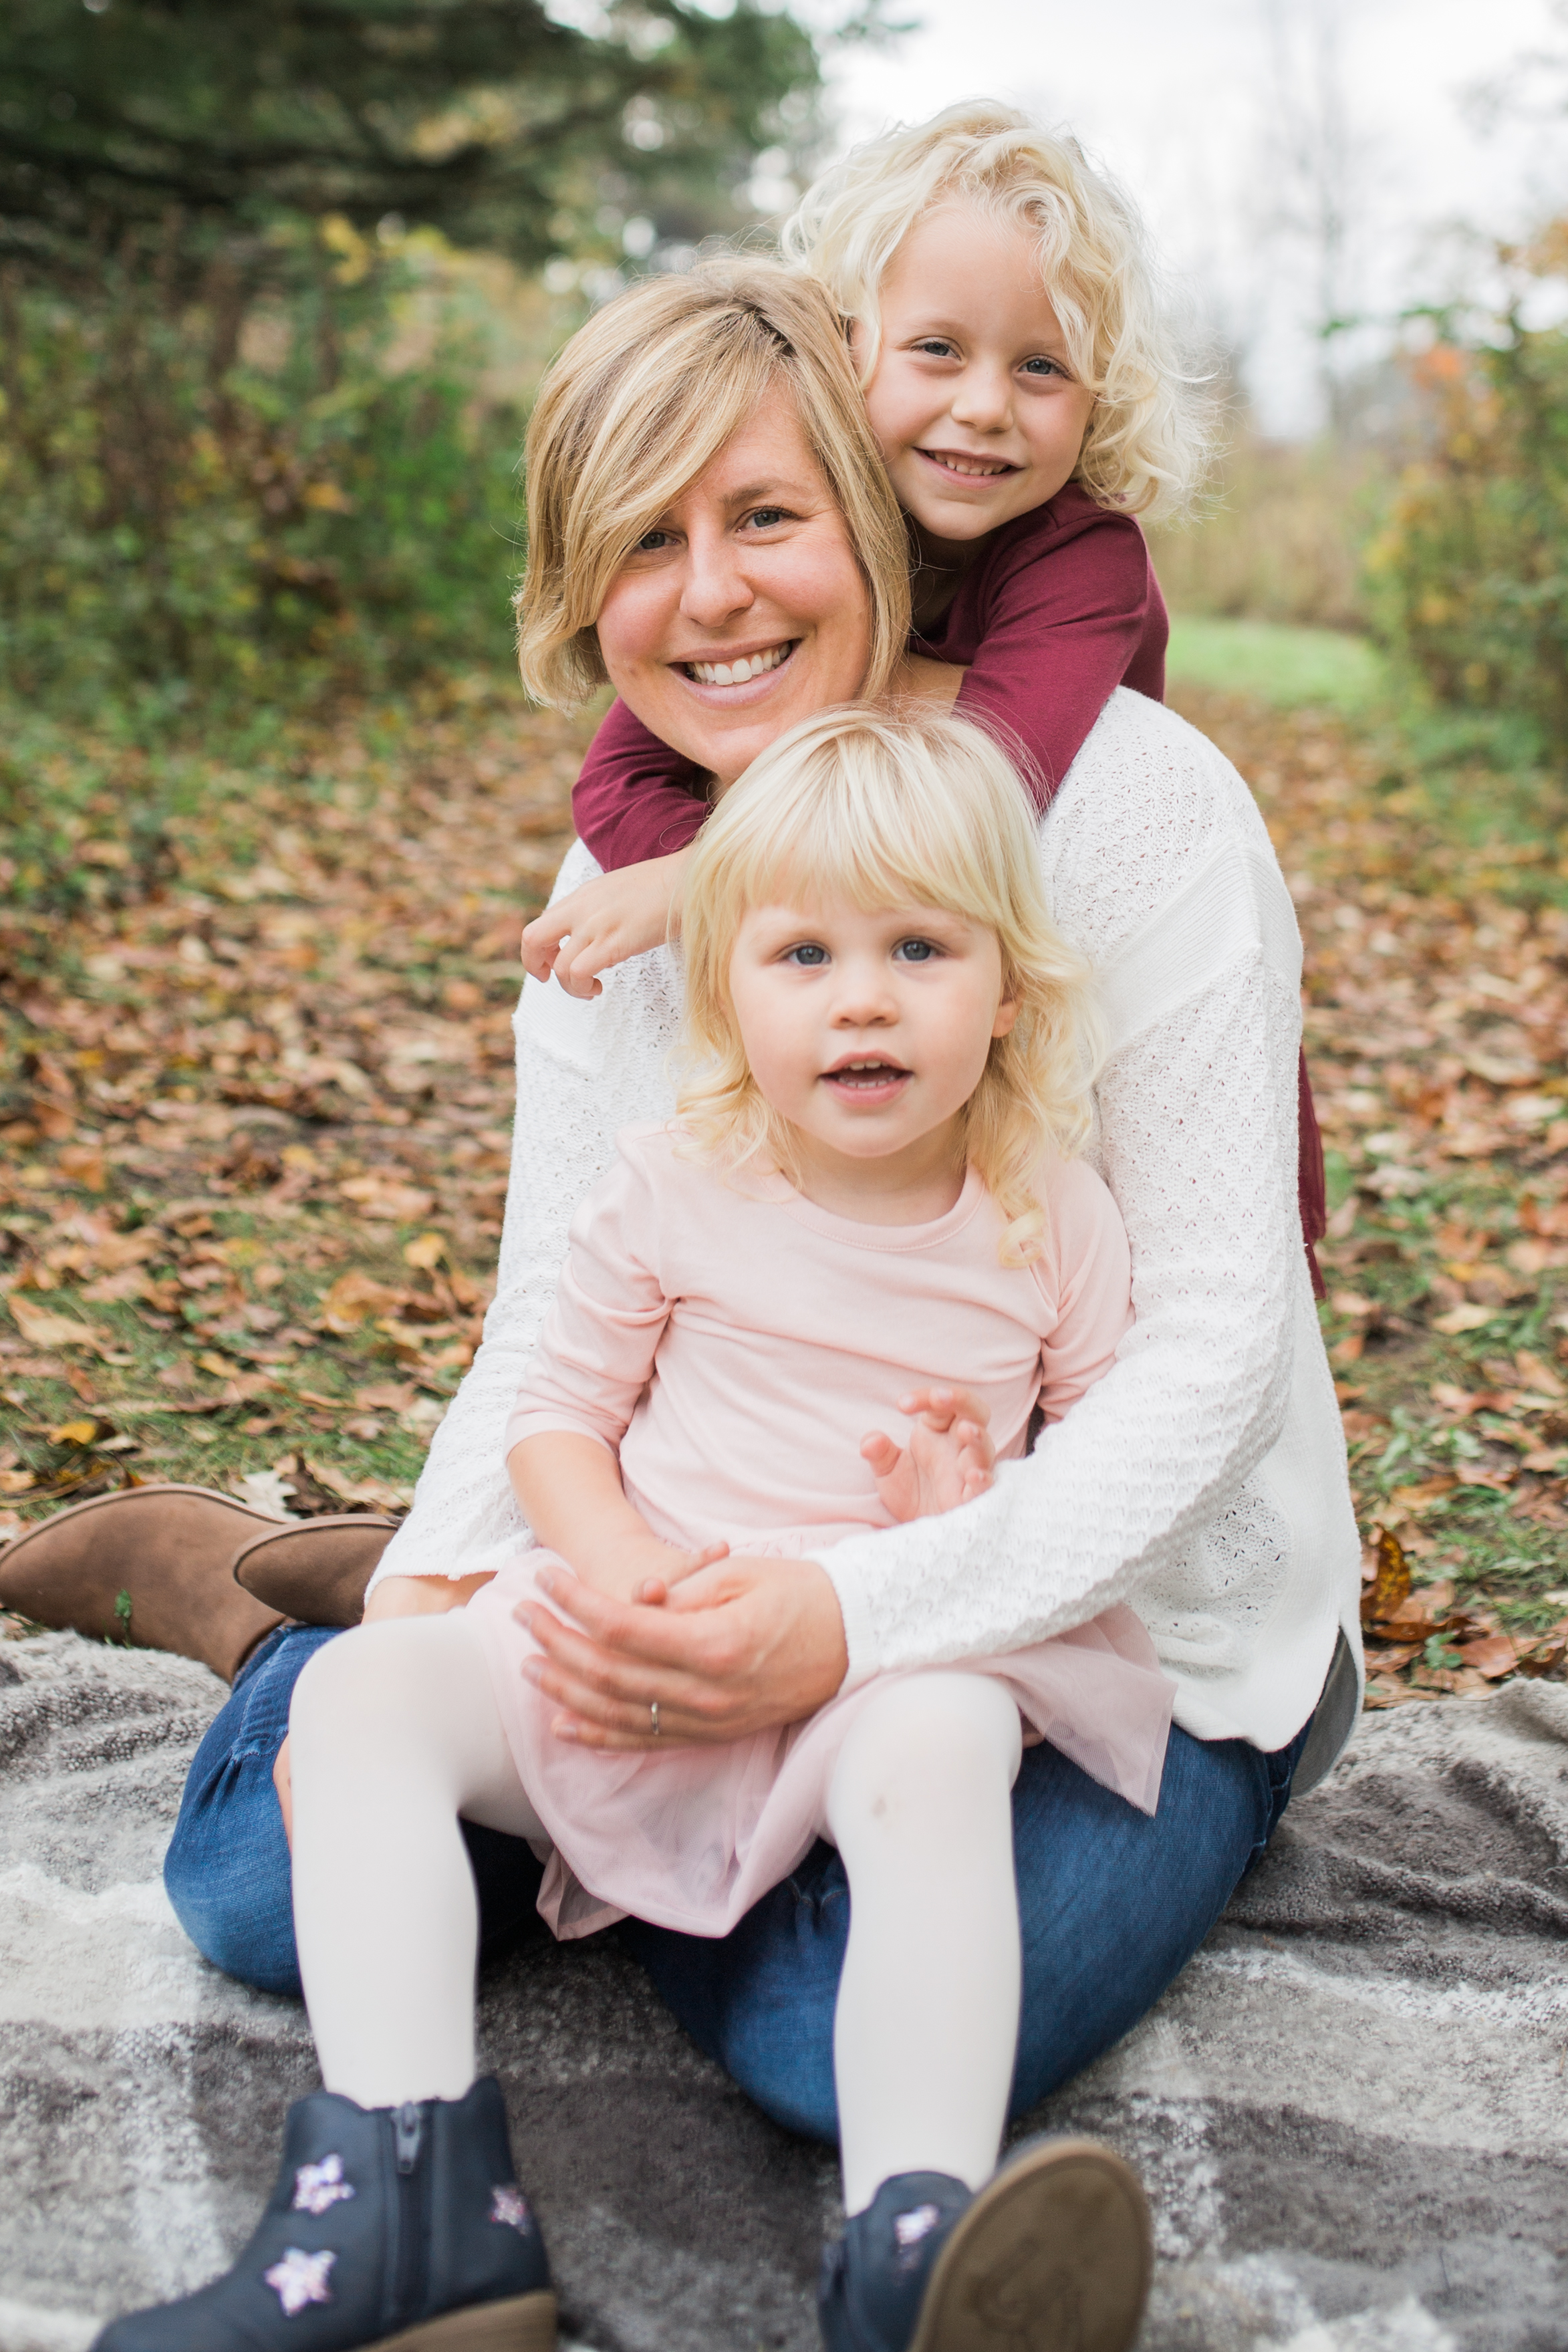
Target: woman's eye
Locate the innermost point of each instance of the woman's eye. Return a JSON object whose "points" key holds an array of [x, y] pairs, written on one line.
{"points": [[808, 957], [917, 950], [768, 518], [654, 543]]}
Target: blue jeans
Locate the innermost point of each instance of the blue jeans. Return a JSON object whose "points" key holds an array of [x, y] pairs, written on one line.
{"points": [[1112, 1903]]}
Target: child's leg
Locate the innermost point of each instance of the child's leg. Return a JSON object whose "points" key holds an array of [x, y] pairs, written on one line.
{"points": [[393, 1734], [926, 2025]]}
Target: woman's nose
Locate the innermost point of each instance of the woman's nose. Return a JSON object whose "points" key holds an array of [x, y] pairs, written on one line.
{"points": [[715, 587]]}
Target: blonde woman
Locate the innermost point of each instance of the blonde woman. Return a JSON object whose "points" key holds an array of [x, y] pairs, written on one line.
{"points": [[1202, 1481], [1031, 395]]}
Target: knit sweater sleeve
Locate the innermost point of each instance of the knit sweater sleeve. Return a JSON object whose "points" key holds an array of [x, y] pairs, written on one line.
{"points": [[1160, 869], [584, 1070]]}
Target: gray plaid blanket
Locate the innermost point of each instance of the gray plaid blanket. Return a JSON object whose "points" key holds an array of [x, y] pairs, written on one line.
{"points": [[1352, 2111]]}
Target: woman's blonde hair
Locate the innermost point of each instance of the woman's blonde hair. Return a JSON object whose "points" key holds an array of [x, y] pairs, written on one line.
{"points": [[1152, 429], [912, 809], [641, 402]]}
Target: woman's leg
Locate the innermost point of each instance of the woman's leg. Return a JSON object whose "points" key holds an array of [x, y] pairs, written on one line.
{"points": [[926, 2029], [395, 1733], [1112, 1905]]}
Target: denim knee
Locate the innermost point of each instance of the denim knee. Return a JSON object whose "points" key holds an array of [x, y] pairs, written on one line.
{"points": [[227, 1870]]}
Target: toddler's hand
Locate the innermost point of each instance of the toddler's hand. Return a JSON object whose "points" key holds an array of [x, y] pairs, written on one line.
{"points": [[948, 1460], [619, 914], [653, 1590]]}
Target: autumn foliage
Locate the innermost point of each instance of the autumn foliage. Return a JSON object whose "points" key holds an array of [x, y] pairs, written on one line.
{"points": [[1470, 573]]}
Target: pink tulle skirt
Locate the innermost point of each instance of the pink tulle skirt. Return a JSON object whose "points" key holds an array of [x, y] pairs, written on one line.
{"points": [[690, 1838]]}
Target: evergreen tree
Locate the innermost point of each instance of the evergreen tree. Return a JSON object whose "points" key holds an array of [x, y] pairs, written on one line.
{"points": [[494, 121]]}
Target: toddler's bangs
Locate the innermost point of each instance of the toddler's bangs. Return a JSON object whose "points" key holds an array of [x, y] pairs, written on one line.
{"points": [[878, 815]]}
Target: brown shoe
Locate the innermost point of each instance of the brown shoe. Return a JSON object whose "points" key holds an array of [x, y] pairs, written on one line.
{"points": [[148, 1567], [315, 1570]]}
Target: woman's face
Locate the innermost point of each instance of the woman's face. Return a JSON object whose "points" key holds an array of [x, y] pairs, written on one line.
{"points": [[743, 610]]}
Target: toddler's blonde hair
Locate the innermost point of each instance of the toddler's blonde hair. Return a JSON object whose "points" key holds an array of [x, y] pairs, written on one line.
{"points": [[891, 809], [641, 402], [1151, 428]]}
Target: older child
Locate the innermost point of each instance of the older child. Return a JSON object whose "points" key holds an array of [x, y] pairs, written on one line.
{"points": [[866, 1194], [1030, 398]]}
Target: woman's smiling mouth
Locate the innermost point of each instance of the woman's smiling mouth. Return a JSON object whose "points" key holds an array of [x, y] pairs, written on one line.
{"points": [[740, 670]]}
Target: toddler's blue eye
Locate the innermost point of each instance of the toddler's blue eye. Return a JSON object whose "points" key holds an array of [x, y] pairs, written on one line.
{"points": [[915, 950], [808, 955], [1042, 366]]}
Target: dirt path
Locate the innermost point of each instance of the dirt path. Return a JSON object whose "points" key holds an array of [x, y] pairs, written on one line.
{"points": [[256, 1131]]}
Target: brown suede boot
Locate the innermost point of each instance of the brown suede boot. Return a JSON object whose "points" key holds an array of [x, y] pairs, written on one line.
{"points": [[148, 1567], [315, 1570]]}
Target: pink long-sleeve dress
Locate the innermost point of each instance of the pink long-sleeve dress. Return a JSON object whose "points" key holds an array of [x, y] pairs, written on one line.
{"points": [[734, 1343]]}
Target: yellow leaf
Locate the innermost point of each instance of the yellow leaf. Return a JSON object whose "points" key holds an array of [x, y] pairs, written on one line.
{"points": [[426, 1252], [76, 1433]]}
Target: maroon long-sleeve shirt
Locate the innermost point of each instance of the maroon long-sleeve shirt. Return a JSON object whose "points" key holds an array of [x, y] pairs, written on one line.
{"points": [[1060, 609]]}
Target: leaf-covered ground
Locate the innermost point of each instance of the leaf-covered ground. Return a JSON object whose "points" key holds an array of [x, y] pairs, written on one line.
{"points": [[256, 1099]]}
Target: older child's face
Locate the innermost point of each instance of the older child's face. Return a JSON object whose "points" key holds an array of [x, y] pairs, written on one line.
{"points": [[743, 610], [868, 1032], [974, 399]]}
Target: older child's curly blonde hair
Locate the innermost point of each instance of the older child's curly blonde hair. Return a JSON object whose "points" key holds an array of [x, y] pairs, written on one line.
{"points": [[1153, 428], [891, 809]]}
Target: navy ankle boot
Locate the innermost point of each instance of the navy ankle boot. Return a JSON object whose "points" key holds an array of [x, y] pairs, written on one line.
{"points": [[388, 2227], [1054, 2254]]}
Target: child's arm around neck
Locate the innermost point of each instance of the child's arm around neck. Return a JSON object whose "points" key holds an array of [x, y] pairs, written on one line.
{"points": [[1062, 608]]}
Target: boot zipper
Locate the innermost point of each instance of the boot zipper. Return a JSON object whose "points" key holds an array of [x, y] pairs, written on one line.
{"points": [[408, 2136]]}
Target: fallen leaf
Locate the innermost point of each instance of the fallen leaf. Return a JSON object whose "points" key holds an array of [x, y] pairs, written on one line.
{"points": [[1539, 1375], [1465, 1317], [386, 1396], [1494, 1656], [80, 1432], [16, 1482], [426, 1251], [354, 1296], [1423, 1497], [383, 1197], [41, 1328]]}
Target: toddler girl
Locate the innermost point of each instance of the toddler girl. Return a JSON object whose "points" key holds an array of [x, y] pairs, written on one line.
{"points": [[1030, 397], [865, 1196]]}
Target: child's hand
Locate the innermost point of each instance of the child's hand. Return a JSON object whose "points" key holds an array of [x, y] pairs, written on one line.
{"points": [[618, 916], [644, 1571], [948, 1460]]}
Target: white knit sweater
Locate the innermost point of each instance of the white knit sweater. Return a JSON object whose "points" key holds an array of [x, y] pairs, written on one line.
{"points": [[1203, 1479]]}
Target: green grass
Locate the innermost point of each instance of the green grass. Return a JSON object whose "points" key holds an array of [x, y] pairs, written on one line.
{"points": [[1290, 668]]}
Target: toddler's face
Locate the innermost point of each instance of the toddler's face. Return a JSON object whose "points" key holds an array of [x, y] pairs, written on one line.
{"points": [[973, 400], [868, 1031]]}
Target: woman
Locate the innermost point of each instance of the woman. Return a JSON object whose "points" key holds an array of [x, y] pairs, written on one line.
{"points": [[1203, 1480]]}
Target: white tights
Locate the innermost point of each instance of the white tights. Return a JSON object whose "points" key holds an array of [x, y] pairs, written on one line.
{"points": [[395, 1735]]}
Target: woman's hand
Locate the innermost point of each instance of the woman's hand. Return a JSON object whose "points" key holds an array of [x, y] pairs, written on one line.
{"points": [[948, 1460], [744, 1646], [619, 914]]}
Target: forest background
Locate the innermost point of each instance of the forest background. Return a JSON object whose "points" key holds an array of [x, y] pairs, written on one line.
{"points": [[277, 284]]}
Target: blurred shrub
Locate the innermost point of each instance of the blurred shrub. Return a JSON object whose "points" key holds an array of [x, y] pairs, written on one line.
{"points": [[1469, 571], [1278, 538], [233, 493]]}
